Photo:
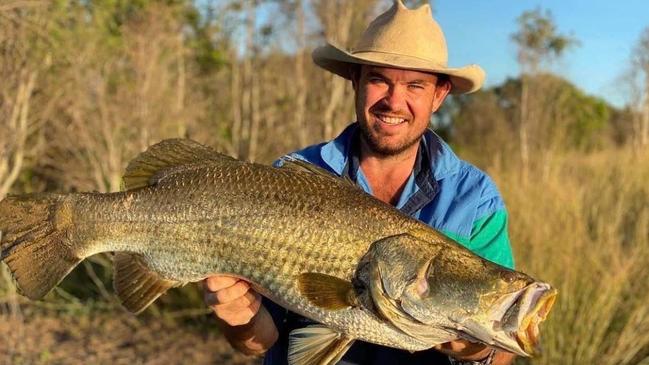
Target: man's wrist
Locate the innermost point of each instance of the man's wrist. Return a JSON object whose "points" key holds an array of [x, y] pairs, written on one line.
{"points": [[255, 337], [484, 357]]}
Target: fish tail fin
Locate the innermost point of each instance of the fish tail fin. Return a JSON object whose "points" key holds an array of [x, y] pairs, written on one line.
{"points": [[36, 241]]}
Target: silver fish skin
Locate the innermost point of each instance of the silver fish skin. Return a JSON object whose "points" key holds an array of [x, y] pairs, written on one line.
{"points": [[312, 242]]}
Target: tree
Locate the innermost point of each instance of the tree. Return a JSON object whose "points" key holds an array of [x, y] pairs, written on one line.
{"points": [[538, 42], [640, 61], [23, 109], [484, 122]]}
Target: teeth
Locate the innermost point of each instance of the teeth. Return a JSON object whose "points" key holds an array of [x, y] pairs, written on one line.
{"points": [[391, 120]]}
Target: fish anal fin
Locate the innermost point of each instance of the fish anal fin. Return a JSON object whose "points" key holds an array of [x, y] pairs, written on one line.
{"points": [[317, 344], [167, 157], [136, 285], [326, 291]]}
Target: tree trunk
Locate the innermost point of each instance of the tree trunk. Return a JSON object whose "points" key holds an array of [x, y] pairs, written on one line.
{"points": [[339, 22], [18, 124], [523, 129], [247, 77], [301, 88], [644, 121], [180, 88], [235, 105]]}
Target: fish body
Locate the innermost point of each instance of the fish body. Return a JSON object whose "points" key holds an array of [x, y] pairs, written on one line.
{"points": [[312, 242]]}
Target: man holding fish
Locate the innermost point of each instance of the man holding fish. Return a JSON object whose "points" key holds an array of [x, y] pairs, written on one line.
{"points": [[400, 77]]}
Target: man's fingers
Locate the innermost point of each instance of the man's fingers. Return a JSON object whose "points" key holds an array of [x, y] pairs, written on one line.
{"points": [[241, 302], [235, 296], [236, 291], [239, 311], [216, 283]]}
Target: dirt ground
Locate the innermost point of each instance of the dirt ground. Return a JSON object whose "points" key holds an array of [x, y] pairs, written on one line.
{"points": [[105, 337]]}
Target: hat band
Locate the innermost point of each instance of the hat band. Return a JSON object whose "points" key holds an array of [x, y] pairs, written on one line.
{"points": [[392, 56]]}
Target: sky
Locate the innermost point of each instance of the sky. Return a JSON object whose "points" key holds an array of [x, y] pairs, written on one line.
{"points": [[479, 31]]}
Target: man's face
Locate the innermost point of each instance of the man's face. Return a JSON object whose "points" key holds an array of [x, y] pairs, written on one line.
{"points": [[393, 106]]}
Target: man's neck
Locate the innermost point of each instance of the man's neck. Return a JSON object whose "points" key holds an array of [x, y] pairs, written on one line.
{"points": [[387, 175]]}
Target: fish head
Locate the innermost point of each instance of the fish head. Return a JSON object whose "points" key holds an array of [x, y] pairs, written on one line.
{"points": [[426, 289]]}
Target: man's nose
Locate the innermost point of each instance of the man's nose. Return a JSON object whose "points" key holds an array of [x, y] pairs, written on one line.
{"points": [[395, 97]]}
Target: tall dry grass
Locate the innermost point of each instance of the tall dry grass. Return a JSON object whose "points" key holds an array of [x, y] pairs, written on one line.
{"points": [[584, 227]]}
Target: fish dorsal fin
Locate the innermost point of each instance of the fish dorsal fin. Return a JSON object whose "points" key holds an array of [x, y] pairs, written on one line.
{"points": [[136, 285], [317, 344], [295, 164], [166, 157], [326, 291]]}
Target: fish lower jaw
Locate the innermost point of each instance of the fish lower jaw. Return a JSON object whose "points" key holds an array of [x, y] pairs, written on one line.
{"points": [[528, 334]]}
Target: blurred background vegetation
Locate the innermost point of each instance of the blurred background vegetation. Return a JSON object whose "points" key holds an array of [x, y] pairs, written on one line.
{"points": [[85, 85]]}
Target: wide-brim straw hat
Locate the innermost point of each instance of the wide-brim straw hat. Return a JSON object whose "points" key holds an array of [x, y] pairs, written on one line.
{"points": [[402, 38]]}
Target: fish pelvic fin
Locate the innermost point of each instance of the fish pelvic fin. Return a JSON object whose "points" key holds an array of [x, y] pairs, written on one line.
{"points": [[317, 345], [137, 286], [326, 291], [167, 157], [37, 242]]}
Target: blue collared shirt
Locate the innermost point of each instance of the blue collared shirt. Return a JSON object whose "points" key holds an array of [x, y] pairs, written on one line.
{"points": [[442, 191]]}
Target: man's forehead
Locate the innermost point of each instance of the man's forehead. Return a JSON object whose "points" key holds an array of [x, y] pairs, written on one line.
{"points": [[398, 73]]}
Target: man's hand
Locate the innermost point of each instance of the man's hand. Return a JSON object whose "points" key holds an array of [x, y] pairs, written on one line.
{"points": [[465, 350], [243, 320], [231, 299]]}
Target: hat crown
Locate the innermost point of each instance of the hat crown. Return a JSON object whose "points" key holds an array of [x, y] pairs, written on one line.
{"points": [[409, 32]]}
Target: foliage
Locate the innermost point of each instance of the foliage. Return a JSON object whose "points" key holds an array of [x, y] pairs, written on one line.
{"points": [[538, 39], [86, 85], [567, 120]]}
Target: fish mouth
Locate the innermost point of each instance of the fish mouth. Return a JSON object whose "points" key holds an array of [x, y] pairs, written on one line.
{"points": [[525, 311], [536, 304]]}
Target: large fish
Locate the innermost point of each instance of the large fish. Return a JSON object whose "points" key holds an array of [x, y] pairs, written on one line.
{"points": [[310, 241]]}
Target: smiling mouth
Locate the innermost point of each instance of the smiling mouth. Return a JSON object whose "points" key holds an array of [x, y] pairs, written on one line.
{"points": [[391, 120]]}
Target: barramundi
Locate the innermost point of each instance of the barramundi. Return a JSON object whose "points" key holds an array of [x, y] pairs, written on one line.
{"points": [[308, 240]]}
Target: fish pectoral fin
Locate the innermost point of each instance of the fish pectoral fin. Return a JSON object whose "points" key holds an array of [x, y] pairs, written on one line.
{"points": [[317, 344], [168, 157], [137, 286], [326, 291]]}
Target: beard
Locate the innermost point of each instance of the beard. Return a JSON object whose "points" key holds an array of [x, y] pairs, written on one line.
{"points": [[383, 148]]}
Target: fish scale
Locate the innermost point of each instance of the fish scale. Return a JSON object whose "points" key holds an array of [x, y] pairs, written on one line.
{"points": [[301, 237]]}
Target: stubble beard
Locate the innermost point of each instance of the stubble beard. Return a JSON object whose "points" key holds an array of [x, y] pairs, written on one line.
{"points": [[382, 149]]}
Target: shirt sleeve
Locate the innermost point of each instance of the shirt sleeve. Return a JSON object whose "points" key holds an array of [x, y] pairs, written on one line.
{"points": [[490, 239]]}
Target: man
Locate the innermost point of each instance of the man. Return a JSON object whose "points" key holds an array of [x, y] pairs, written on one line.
{"points": [[399, 75]]}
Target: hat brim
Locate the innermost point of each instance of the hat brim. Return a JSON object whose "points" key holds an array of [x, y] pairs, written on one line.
{"points": [[464, 80]]}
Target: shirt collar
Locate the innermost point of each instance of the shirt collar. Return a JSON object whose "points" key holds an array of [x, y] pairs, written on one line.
{"points": [[442, 161]]}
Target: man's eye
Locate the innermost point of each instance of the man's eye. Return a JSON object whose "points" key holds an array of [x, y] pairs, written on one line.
{"points": [[416, 86], [376, 80]]}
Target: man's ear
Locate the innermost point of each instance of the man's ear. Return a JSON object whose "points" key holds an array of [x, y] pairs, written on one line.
{"points": [[442, 89]]}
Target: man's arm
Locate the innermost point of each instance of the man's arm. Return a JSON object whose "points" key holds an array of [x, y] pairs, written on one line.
{"points": [[241, 317]]}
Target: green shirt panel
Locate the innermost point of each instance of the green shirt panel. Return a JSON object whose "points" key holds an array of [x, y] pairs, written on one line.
{"points": [[489, 239]]}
